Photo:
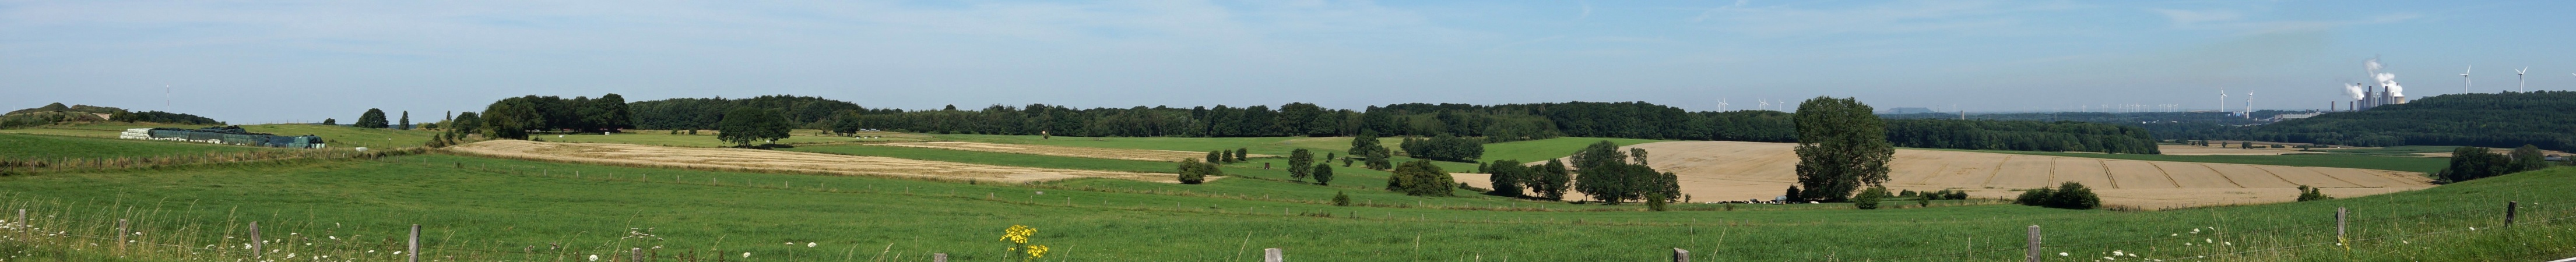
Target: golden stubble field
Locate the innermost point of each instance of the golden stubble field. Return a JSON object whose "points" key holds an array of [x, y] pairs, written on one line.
{"points": [[753, 159], [1066, 151], [1723, 171]]}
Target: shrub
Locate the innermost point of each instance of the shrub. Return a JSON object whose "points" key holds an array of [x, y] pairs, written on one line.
{"points": [[2069, 195], [1420, 178], [1868, 198], [1655, 202], [2311, 194], [1341, 199], [1194, 172]]}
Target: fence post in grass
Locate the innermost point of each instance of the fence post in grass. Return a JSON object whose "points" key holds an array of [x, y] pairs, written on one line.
{"points": [[2032, 254], [635, 254], [257, 249], [1272, 255], [1680, 255], [2509, 207], [414, 256], [2340, 213], [939, 257], [121, 232]]}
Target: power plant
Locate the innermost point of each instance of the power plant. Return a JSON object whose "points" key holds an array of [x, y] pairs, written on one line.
{"points": [[2385, 92]]}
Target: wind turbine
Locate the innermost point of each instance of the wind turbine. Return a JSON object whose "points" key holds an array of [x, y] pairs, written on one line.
{"points": [[1721, 104], [2222, 100], [2464, 79], [2517, 76]]}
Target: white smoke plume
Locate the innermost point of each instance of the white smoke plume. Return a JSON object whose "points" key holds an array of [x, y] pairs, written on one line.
{"points": [[2387, 80], [2353, 90]]}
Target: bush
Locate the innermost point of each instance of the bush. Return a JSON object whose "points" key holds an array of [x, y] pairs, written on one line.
{"points": [[1420, 178], [1655, 202], [2311, 194], [1868, 198], [1194, 172], [2070, 195], [1341, 199]]}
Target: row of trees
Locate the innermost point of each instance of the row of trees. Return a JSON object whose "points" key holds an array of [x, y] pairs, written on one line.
{"points": [[1609, 175], [162, 117], [2060, 136], [1511, 178], [707, 113], [516, 117], [2469, 163], [1445, 148]]}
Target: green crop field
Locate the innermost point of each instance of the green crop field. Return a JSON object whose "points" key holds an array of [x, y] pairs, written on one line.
{"points": [[490, 209], [46, 146], [2395, 150], [2396, 163]]}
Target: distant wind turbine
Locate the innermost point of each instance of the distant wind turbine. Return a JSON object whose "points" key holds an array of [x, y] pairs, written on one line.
{"points": [[2517, 76], [1721, 104], [2465, 82]]}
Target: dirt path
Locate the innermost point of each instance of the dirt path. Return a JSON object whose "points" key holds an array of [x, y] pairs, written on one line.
{"points": [[1719, 171], [1071, 151], [734, 158]]}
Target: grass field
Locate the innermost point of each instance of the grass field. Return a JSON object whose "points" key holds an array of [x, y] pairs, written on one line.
{"points": [[1526, 151], [2361, 161], [46, 146], [489, 209], [665, 138], [337, 136]]}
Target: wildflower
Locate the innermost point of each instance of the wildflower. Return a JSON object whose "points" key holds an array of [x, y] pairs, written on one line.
{"points": [[746, 254], [2227, 243], [594, 257], [809, 244], [2061, 254], [2116, 252]]}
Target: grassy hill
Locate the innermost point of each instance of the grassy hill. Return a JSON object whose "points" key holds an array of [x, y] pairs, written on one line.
{"points": [[338, 136], [42, 146], [491, 209]]}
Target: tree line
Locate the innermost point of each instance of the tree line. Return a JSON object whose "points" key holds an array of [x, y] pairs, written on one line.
{"points": [[2060, 136], [517, 117], [2507, 119]]}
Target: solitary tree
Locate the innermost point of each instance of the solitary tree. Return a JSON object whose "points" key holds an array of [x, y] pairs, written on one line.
{"points": [[1323, 174], [1297, 160], [1841, 147], [328, 121], [745, 125], [406, 120], [1213, 157], [1241, 154], [374, 118]]}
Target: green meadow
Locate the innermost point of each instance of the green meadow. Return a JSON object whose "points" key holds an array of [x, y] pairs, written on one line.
{"points": [[491, 209]]}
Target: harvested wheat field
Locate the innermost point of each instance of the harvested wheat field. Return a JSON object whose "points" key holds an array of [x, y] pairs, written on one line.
{"points": [[1723, 171], [1070, 151], [752, 159]]}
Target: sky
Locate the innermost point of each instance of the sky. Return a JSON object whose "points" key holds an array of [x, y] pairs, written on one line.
{"points": [[250, 62]]}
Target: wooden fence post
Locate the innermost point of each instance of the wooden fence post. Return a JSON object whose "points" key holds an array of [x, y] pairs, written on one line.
{"points": [[939, 257], [257, 249], [121, 232], [2509, 208], [2032, 255], [2340, 240], [414, 256], [1680, 255], [1272, 255]]}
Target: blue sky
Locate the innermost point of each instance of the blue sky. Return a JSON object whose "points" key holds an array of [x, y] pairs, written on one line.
{"points": [[302, 61]]}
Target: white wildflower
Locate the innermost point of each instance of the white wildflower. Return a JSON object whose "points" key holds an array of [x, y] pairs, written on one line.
{"points": [[746, 254], [2061, 254], [809, 244], [2117, 252], [594, 257]]}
